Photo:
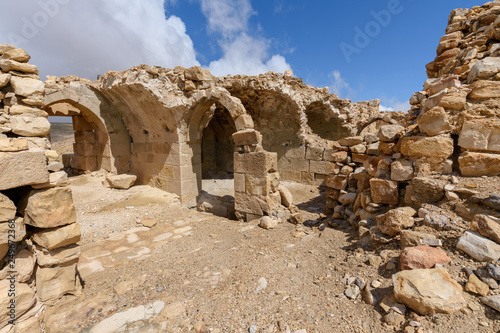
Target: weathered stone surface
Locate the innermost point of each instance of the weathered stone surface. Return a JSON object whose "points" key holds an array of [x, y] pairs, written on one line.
{"points": [[454, 100], [418, 146], [22, 168], [247, 138], [478, 247], [476, 286], [286, 196], [390, 133], [424, 190], [10, 65], [422, 257], [13, 144], [7, 208], [55, 179], [444, 83], [481, 134], [4, 248], [351, 141], [484, 89], [434, 122], [25, 265], [197, 73], [30, 126], [16, 54], [56, 257], [121, 181], [21, 110], [487, 226], [492, 301], [24, 300], [484, 69], [414, 238], [49, 208], [395, 220], [4, 80], [19, 227], [26, 86], [268, 223], [384, 191], [58, 237], [338, 182], [479, 164], [401, 170], [54, 282], [428, 290]]}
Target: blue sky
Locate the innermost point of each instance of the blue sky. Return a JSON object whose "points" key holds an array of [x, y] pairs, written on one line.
{"points": [[361, 49]]}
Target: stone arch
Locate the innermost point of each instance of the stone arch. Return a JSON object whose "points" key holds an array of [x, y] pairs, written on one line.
{"points": [[101, 139]]}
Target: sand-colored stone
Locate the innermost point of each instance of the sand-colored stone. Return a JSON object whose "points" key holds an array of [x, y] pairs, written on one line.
{"points": [[24, 300], [30, 126], [49, 208], [419, 146], [26, 86], [58, 237], [22, 168], [479, 164], [54, 282]]}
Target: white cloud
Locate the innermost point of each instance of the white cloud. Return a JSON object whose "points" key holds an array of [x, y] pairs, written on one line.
{"points": [[242, 52], [90, 37], [339, 86], [393, 104]]}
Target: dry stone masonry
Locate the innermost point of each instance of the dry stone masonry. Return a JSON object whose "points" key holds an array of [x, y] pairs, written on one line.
{"points": [[38, 229]]}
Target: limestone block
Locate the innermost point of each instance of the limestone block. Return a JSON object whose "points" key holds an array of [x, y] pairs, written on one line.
{"points": [[25, 265], [121, 181], [286, 196], [314, 153], [384, 191], [396, 220], [58, 237], [454, 100], [87, 163], [197, 73], [487, 226], [478, 247], [319, 167], [23, 168], [484, 69], [427, 291], [13, 144], [338, 182], [7, 208], [26, 86], [447, 82], [257, 163], [388, 133], [419, 146], [298, 153], [18, 226], [48, 208], [87, 137], [247, 203], [21, 110], [4, 80], [54, 282], [401, 170], [56, 179], [424, 190], [449, 41], [244, 121], [56, 257], [247, 138], [418, 97], [434, 122], [85, 149], [239, 182], [351, 141], [479, 164], [8, 65], [335, 156], [484, 89], [414, 238], [24, 300], [257, 185], [422, 257], [483, 134], [17, 55], [30, 126]]}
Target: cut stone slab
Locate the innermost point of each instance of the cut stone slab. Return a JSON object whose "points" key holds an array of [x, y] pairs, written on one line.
{"points": [[487, 226], [59, 237], [351, 141], [8, 65], [13, 144], [419, 146], [23, 168], [29, 126], [478, 247], [26, 86], [49, 208], [7, 209], [54, 282], [123, 182], [427, 291], [481, 134], [422, 257], [479, 164], [25, 299], [484, 69], [57, 257]]}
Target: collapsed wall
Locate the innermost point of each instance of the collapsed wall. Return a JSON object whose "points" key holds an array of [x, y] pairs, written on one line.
{"points": [[38, 229]]}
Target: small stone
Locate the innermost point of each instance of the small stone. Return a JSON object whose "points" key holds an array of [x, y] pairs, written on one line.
{"points": [[262, 284], [352, 292], [148, 223], [121, 181], [494, 271], [268, 223], [492, 301], [376, 284], [478, 247], [360, 282], [200, 327], [253, 329], [476, 286], [422, 257]]}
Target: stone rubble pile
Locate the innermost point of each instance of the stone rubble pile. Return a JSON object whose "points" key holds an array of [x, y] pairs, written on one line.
{"points": [[390, 184], [38, 229]]}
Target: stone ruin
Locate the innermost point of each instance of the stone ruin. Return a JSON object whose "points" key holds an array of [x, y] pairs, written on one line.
{"points": [[172, 128]]}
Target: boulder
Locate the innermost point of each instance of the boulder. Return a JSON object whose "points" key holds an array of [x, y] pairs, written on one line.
{"points": [[419, 146], [54, 282], [388, 133], [7, 209], [384, 191], [478, 247], [479, 164], [29, 126], [434, 122], [427, 291], [121, 181], [487, 226], [23, 168], [58, 237], [24, 300], [49, 208], [26, 87], [421, 257], [395, 220]]}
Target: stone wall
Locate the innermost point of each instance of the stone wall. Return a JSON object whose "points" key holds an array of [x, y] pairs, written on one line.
{"points": [[38, 229]]}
